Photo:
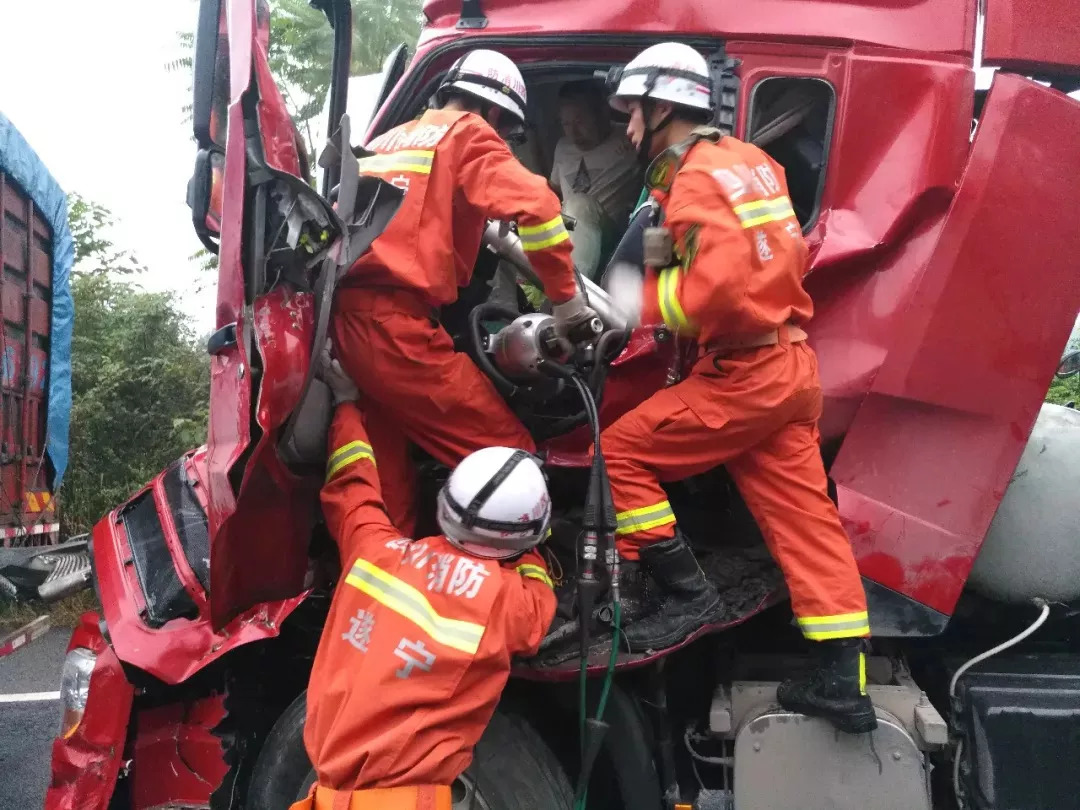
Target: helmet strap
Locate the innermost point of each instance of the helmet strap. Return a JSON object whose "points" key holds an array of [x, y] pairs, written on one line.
{"points": [[645, 147]]}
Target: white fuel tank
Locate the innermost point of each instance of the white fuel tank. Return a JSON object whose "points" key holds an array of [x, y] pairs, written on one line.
{"points": [[1033, 545]]}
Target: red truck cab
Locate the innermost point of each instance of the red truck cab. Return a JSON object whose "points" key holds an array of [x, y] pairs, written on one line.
{"points": [[944, 280]]}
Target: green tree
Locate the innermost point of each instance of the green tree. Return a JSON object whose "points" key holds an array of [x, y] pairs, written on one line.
{"points": [[1067, 390], [302, 45], [140, 379]]}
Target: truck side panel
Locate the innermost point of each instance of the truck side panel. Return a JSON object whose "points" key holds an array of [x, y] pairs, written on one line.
{"points": [[934, 445], [27, 512]]}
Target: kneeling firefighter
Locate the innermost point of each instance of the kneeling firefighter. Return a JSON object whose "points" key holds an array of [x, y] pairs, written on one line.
{"points": [[417, 645], [457, 171], [733, 282]]}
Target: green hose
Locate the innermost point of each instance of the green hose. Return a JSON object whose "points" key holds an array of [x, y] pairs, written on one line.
{"points": [[605, 691]]}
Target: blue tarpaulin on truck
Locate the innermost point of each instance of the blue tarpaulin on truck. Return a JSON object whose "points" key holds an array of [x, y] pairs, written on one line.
{"points": [[21, 163]]}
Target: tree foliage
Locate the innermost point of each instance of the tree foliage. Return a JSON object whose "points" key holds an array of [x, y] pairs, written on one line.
{"points": [[1067, 390], [302, 44], [140, 379]]}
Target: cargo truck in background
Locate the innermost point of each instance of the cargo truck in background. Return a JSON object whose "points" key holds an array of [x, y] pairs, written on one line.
{"points": [[944, 273], [36, 254]]}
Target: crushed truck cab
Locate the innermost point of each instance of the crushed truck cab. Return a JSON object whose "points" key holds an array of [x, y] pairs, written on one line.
{"points": [[940, 221]]}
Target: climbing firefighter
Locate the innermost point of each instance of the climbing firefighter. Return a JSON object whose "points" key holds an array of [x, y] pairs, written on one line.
{"points": [[457, 171], [416, 648], [752, 400]]}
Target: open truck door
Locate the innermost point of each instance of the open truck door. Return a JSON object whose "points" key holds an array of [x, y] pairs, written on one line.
{"points": [[281, 247], [971, 364]]}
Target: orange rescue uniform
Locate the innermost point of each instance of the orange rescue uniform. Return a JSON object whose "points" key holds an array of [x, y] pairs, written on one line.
{"points": [[416, 649], [753, 399], [456, 173]]}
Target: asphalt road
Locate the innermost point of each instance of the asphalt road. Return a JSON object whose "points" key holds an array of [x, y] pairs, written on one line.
{"points": [[27, 727]]}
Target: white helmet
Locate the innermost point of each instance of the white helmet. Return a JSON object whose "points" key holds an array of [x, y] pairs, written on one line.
{"points": [[670, 71], [490, 76], [495, 503]]}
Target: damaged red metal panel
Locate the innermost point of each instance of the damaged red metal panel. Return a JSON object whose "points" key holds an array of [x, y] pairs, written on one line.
{"points": [[934, 444], [179, 762], [86, 764], [1033, 36]]}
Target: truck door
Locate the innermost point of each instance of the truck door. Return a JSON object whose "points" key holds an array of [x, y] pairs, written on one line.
{"points": [[277, 242], [934, 444]]}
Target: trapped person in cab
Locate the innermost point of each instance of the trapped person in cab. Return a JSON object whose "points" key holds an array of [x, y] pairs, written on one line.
{"points": [[594, 172], [727, 271], [418, 642], [457, 171]]}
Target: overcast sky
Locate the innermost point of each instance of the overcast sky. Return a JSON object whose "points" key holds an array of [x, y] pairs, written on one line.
{"points": [[86, 84]]}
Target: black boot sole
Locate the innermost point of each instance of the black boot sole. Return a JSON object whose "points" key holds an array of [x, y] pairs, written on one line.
{"points": [[688, 626], [861, 721]]}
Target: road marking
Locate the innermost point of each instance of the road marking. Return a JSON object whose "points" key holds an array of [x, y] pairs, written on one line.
{"points": [[29, 697]]}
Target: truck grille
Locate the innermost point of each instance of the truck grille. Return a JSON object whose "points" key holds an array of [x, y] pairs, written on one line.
{"points": [[165, 597]]}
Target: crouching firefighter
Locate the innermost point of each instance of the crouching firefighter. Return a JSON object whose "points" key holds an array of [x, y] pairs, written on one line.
{"points": [[457, 171], [417, 645], [752, 401]]}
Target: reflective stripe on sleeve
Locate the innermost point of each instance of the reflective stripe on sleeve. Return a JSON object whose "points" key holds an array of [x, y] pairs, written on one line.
{"points": [[759, 212], [842, 625], [534, 572], [540, 237], [647, 517], [346, 455], [417, 161], [406, 601], [667, 294]]}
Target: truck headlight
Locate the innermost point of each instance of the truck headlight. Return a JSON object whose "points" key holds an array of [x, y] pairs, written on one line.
{"points": [[75, 688]]}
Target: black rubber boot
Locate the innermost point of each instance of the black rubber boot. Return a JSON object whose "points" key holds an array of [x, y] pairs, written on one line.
{"points": [[633, 596], [836, 690], [687, 600]]}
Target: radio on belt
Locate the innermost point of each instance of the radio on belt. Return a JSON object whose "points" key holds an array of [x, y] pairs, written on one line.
{"points": [[657, 247]]}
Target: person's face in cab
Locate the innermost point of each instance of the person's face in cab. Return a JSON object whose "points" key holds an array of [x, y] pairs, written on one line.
{"points": [[635, 130], [582, 126]]}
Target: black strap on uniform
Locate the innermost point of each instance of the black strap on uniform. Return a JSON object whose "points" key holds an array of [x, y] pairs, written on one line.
{"points": [[470, 515]]}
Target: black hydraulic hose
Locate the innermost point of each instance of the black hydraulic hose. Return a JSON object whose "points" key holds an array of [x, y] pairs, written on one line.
{"points": [[598, 523]]}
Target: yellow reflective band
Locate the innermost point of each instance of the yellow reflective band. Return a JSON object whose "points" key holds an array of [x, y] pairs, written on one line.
{"points": [[647, 517], [417, 161], [534, 572], [841, 625], [862, 673], [759, 212], [408, 602], [532, 230], [666, 292], [540, 237], [346, 455]]}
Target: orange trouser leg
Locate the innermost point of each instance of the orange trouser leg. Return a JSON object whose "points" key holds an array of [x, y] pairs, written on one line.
{"points": [[424, 797], [783, 483], [406, 367], [397, 473], [722, 409]]}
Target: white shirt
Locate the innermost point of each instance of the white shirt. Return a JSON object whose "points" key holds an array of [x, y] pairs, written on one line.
{"points": [[608, 173]]}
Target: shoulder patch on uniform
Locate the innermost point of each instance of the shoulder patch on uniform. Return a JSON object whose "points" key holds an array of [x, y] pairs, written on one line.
{"points": [[662, 172]]}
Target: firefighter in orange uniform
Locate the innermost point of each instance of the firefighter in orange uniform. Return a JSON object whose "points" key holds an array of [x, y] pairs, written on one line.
{"points": [[457, 172], [752, 401], [417, 646]]}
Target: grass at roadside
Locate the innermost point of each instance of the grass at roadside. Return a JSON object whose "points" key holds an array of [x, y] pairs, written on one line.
{"points": [[64, 613]]}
